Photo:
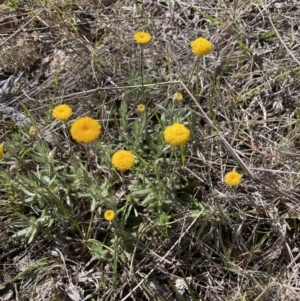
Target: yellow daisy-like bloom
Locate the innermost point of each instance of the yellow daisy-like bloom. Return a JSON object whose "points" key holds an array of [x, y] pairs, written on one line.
{"points": [[62, 112], [177, 134], [141, 108], [201, 46], [32, 131], [178, 97], [1, 151], [233, 178], [122, 160], [142, 37], [85, 129], [109, 215]]}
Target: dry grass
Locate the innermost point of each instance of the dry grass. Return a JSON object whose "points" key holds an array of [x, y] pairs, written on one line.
{"points": [[226, 244]]}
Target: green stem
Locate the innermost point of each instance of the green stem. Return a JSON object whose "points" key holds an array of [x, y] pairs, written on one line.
{"points": [[142, 74]]}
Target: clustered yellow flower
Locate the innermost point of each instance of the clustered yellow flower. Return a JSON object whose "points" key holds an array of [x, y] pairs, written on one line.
{"points": [[1, 151], [62, 112], [177, 134], [201, 46], [233, 178], [142, 37], [122, 160], [109, 215], [85, 130], [141, 108], [32, 131], [177, 97]]}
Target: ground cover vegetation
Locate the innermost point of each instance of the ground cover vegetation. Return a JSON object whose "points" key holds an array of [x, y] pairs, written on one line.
{"points": [[149, 150]]}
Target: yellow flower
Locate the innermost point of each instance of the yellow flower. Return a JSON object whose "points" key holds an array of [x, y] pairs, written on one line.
{"points": [[201, 46], [122, 160], [32, 131], [177, 134], [85, 129], [178, 97], [141, 108], [233, 178], [62, 112], [142, 37], [1, 151], [109, 215]]}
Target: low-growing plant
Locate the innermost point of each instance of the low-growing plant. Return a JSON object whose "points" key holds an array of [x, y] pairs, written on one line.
{"points": [[147, 166]]}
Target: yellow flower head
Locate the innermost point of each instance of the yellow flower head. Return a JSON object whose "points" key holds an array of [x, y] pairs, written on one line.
{"points": [[201, 46], [142, 37], [122, 160], [1, 151], [85, 129], [62, 112], [178, 97], [32, 131], [141, 108], [233, 178], [177, 134], [109, 215]]}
